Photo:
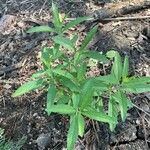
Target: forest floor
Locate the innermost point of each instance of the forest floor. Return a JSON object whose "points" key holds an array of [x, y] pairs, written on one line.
{"points": [[19, 58]]}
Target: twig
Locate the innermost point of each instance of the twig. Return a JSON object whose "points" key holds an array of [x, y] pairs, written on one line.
{"points": [[81, 143], [113, 19], [42, 7], [98, 140], [126, 18], [141, 109]]}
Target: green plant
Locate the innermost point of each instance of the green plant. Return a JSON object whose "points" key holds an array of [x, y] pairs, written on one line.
{"points": [[70, 91], [10, 145]]}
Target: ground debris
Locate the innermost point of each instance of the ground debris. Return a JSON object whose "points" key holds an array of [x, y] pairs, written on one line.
{"points": [[137, 145], [5, 22], [124, 133], [43, 141], [121, 8]]}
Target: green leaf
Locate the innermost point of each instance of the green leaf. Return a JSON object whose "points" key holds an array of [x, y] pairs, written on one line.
{"points": [[74, 39], [92, 63], [99, 116], [72, 135], [99, 85], [99, 103], [56, 19], [62, 109], [108, 79], [137, 80], [88, 38], [122, 104], [49, 73], [117, 67], [87, 94], [115, 97], [38, 74], [125, 67], [75, 22], [61, 98], [45, 57], [136, 88], [78, 58], [81, 124], [69, 84], [81, 71], [63, 73], [28, 86], [112, 112], [75, 99], [40, 29], [65, 42], [50, 98], [96, 55], [111, 54]]}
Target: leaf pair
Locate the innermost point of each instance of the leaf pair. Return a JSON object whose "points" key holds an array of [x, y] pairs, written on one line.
{"points": [[119, 70], [58, 23], [118, 102]]}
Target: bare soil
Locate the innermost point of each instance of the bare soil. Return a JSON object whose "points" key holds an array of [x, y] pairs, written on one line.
{"points": [[19, 58]]}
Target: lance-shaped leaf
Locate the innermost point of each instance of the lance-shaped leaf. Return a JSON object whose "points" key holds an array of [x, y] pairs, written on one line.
{"points": [[123, 105], [108, 79], [81, 71], [86, 94], [136, 87], [99, 85], [64, 73], [98, 116], [45, 57], [28, 86], [50, 98], [69, 84], [115, 97], [125, 70], [112, 112], [88, 38], [96, 55], [81, 124], [38, 74], [61, 98], [56, 18], [76, 99], [65, 42], [40, 29], [74, 39], [75, 22], [72, 135], [137, 80], [117, 67], [62, 109]]}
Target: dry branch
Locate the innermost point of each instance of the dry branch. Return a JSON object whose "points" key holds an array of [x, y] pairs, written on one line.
{"points": [[120, 9]]}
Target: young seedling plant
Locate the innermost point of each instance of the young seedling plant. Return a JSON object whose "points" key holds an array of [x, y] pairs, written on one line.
{"points": [[70, 92]]}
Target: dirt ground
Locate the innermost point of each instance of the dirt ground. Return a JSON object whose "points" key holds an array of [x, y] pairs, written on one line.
{"points": [[25, 116]]}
